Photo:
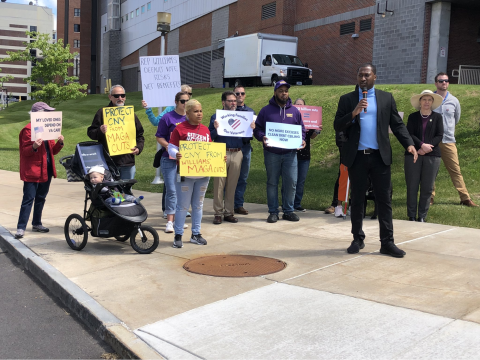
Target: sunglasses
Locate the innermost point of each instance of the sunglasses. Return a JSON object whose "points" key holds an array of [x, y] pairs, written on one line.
{"points": [[182, 101], [116, 96], [443, 81], [240, 93], [189, 94]]}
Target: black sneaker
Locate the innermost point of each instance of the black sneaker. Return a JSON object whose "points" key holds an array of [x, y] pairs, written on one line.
{"points": [[40, 228], [355, 246], [198, 239], [290, 217], [300, 209], [178, 243], [389, 248], [272, 218]]}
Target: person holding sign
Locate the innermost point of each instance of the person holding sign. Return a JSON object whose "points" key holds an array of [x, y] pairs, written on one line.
{"points": [[37, 167], [224, 188], [155, 120], [167, 124], [98, 131], [280, 161], [190, 189]]}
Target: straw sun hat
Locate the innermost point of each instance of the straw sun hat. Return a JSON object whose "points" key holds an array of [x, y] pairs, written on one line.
{"points": [[437, 99]]}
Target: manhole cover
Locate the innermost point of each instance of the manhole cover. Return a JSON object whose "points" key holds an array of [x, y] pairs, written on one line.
{"points": [[234, 265]]}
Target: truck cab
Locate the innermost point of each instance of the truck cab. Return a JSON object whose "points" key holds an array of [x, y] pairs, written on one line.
{"points": [[290, 68]]}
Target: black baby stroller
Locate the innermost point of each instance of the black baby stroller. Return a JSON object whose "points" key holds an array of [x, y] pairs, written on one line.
{"points": [[121, 221]]}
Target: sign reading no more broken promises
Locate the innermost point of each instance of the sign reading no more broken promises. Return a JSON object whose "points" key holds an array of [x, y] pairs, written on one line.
{"points": [[160, 79]]}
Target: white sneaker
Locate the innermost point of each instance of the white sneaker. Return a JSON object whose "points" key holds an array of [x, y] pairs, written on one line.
{"points": [[169, 227], [338, 211]]}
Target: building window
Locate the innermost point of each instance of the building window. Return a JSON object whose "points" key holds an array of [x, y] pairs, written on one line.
{"points": [[269, 10], [76, 27], [126, 17], [76, 43], [33, 28], [131, 15], [76, 12], [366, 25], [143, 9], [149, 6], [348, 28], [138, 12]]}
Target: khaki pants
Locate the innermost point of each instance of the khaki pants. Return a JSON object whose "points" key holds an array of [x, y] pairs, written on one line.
{"points": [[450, 160], [227, 185]]}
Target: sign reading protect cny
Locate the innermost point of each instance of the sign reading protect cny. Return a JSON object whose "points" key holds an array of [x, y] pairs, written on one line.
{"points": [[121, 133], [202, 159]]}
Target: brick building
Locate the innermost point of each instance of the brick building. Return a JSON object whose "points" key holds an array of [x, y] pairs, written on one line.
{"points": [[408, 40], [15, 20]]}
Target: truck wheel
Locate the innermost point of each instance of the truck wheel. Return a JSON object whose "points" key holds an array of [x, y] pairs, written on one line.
{"points": [[274, 80], [238, 82]]}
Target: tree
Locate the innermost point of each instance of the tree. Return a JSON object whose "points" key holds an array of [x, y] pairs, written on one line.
{"points": [[49, 78], [5, 78]]}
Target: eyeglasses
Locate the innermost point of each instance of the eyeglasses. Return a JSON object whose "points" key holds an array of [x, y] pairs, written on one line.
{"points": [[231, 101], [189, 94], [443, 81], [183, 101], [116, 96], [240, 93]]}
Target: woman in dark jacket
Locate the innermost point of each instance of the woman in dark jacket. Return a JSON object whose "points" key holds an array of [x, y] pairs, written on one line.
{"points": [[426, 129]]}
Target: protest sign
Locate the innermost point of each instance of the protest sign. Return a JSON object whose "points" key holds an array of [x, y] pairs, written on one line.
{"points": [[284, 136], [46, 125], [202, 159], [235, 123], [311, 116], [160, 79], [121, 133]]}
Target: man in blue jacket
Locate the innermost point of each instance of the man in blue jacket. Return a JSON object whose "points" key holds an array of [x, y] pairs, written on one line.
{"points": [[278, 161], [225, 187]]}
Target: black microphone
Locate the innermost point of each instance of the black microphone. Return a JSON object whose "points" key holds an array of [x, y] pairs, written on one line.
{"points": [[364, 92]]}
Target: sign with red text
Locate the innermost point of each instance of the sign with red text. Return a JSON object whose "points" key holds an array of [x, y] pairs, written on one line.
{"points": [[121, 133], [46, 125], [202, 159], [311, 116]]}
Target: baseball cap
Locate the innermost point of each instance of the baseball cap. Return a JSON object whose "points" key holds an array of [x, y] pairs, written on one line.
{"points": [[281, 83], [39, 106]]}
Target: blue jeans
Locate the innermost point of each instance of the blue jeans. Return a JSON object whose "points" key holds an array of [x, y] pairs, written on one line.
{"points": [[127, 172], [285, 166], [242, 179], [33, 191], [190, 192], [169, 172], [303, 166]]}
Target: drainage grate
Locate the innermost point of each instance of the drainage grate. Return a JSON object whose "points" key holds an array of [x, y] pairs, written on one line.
{"points": [[234, 265]]}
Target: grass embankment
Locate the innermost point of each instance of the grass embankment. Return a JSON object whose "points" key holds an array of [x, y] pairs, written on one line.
{"points": [[78, 116]]}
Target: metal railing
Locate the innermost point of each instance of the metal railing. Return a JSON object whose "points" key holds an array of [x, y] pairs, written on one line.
{"points": [[467, 74]]}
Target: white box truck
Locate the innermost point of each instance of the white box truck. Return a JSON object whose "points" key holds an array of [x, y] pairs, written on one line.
{"points": [[263, 59]]}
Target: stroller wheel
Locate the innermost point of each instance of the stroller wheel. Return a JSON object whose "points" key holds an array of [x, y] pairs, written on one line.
{"points": [[144, 240], [76, 232], [122, 238]]}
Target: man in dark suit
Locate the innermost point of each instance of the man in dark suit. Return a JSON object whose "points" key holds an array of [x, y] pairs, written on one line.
{"points": [[367, 153]]}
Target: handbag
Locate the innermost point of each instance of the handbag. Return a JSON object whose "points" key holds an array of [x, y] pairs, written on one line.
{"points": [[158, 156]]}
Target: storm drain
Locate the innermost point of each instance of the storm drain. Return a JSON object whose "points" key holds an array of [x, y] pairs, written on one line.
{"points": [[234, 265]]}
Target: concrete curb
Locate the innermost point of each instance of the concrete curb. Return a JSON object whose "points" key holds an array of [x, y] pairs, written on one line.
{"points": [[94, 316]]}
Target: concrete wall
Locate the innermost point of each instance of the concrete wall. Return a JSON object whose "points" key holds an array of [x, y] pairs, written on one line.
{"points": [[111, 56], [219, 31], [398, 42]]}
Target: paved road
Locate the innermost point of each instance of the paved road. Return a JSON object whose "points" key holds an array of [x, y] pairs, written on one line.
{"points": [[33, 325]]}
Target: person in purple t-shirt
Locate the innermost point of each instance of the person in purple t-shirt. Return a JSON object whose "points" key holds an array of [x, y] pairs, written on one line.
{"points": [[169, 166]]}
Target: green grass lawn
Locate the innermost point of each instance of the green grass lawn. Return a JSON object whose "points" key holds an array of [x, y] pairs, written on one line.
{"points": [[78, 115]]}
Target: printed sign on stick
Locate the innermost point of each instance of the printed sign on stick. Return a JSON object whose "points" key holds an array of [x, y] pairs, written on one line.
{"points": [[202, 159], [284, 136], [121, 133], [235, 123], [160, 79], [46, 125], [311, 116]]}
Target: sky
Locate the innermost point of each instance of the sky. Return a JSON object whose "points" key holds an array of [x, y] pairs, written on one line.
{"points": [[52, 4]]}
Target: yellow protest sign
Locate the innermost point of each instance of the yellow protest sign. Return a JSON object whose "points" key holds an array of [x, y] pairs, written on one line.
{"points": [[121, 134], [202, 159]]}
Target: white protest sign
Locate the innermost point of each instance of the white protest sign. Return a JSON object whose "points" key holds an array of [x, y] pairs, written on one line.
{"points": [[160, 79], [46, 125], [235, 123], [284, 136]]}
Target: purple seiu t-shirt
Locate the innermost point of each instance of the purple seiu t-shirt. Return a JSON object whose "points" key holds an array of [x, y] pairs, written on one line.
{"points": [[167, 124]]}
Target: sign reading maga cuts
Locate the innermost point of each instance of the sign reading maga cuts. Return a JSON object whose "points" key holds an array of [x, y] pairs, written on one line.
{"points": [[202, 159], [121, 132]]}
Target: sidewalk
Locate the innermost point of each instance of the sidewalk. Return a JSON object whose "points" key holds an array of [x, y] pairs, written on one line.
{"points": [[325, 304]]}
